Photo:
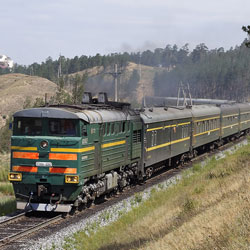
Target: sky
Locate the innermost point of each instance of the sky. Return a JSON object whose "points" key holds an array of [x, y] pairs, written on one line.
{"points": [[32, 30]]}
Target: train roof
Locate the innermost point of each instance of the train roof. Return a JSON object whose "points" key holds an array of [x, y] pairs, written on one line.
{"points": [[151, 115], [205, 110], [89, 116], [244, 107], [229, 109]]}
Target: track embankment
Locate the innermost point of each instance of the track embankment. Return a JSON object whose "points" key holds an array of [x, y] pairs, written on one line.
{"points": [[208, 208]]}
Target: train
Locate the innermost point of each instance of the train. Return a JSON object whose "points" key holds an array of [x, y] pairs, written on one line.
{"points": [[64, 157]]}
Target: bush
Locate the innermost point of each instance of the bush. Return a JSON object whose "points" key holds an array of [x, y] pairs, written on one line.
{"points": [[7, 205], [6, 188], [5, 135]]}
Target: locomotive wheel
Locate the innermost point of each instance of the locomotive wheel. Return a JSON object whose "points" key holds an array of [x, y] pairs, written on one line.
{"points": [[89, 203], [72, 211], [81, 207]]}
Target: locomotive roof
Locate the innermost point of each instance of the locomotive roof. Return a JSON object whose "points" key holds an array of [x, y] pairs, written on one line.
{"points": [[89, 116]]}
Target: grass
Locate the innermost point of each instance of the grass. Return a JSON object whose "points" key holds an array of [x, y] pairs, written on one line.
{"points": [[7, 205], [6, 188], [4, 166], [7, 198], [209, 208]]}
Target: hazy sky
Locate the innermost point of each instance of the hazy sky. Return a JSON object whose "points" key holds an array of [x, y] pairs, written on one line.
{"points": [[32, 30]]}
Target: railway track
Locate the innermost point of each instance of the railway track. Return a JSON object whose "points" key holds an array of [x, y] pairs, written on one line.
{"points": [[18, 230], [24, 224]]}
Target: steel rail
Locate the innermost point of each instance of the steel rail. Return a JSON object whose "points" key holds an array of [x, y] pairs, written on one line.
{"points": [[30, 230], [12, 219]]}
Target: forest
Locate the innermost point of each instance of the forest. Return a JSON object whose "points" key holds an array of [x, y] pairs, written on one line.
{"points": [[210, 73]]}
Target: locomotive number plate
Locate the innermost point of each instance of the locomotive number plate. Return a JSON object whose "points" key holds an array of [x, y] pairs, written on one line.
{"points": [[43, 164]]}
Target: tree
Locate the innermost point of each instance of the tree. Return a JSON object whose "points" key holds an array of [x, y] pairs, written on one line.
{"points": [[247, 30], [133, 81], [199, 52], [78, 88]]}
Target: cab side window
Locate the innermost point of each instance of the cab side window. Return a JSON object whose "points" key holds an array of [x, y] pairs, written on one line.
{"points": [[84, 130], [104, 129], [123, 126], [108, 128]]}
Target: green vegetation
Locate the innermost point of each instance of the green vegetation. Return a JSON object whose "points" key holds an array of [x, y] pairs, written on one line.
{"points": [[4, 167], [7, 198], [247, 30], [6, 188], [7, 205], [5, 134], [211, 73], [209, 208]]}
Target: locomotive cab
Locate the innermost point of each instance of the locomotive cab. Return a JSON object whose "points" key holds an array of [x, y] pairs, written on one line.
{"points": [[44, 159]]}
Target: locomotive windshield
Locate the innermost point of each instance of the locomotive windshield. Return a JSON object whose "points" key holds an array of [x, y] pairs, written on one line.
{"points": [[28, 126], [59, 127], [48, 127]]}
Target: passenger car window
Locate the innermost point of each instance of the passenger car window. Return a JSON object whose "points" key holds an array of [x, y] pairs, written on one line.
{"points": [[108, 127], [112, 128]]}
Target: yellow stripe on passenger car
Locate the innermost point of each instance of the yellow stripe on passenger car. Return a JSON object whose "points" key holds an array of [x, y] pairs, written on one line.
{"points": [[153, 129], [184, 123], [224, 116], [24, 148], [232, 125], [243, 113], [73, 150], [206, 132], [206, 119], [168, 126], [245, 121], [111, 144], [167, 144]]}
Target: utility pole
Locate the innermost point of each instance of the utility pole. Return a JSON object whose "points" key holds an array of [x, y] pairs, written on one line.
{"points": [[115, 74]]}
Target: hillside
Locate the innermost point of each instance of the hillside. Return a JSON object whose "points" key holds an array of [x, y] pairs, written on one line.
{"points": [[100, 80], [16, 89]]}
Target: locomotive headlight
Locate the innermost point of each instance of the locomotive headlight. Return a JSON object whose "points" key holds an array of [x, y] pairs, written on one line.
{"points": [[44, 144], [71, 179], [15, 176]]}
